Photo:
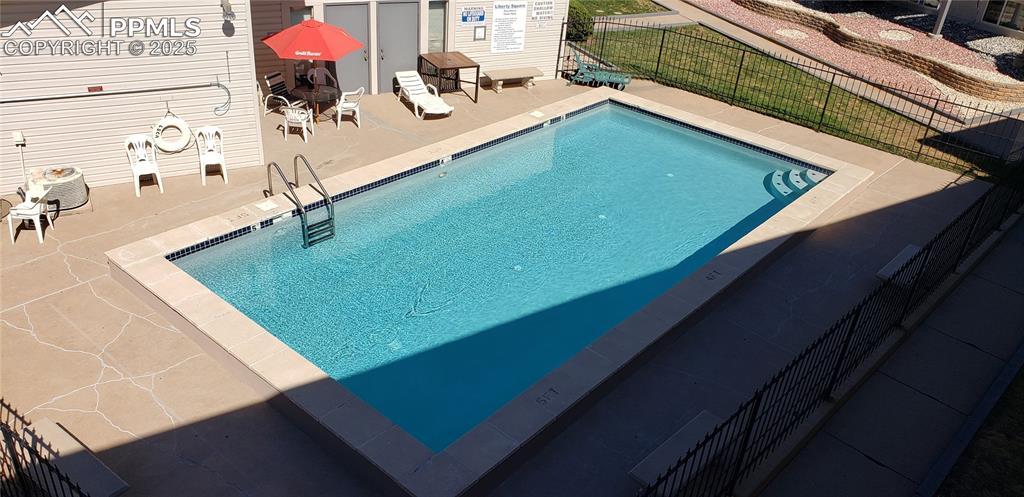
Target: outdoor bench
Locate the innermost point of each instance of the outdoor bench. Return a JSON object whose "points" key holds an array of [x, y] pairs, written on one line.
{"points": [[524, 74], [887, 271], [666, 454], [75, 459]]}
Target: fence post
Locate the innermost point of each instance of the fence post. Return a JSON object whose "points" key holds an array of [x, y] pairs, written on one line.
{"points": [[563, 40], [736, 84], [916, 284], [970, 233], [828, 96], [12, 451], [661, 48], [604, 36], [843, 350], [927, 127], [748, 430], [1006, 208]]}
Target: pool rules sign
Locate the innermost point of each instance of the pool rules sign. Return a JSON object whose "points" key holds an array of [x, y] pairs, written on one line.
{"points": [[508, 28]]}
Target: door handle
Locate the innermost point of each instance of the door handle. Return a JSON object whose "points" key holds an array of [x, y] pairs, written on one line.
{"points": [[382, 54], [366, 56]]}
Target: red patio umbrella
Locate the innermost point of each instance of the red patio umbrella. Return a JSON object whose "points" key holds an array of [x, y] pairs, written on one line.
{"points": [[312, 40]]}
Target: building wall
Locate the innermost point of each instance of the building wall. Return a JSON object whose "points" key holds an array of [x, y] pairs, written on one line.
{"points": [[66, 125], [969, 12], [540, 45], [540, 50], [966, 11], [268, 17]]}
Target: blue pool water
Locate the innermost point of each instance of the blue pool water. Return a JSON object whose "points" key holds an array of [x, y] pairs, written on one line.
{"points": [[444, 297]]}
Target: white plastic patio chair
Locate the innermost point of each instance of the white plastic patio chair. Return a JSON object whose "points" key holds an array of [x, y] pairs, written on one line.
{"points": [[322, 77], [349, 102], [210, 141], [32, 209], [142, 156], [278, 95], [295, 117], [424, 98]]}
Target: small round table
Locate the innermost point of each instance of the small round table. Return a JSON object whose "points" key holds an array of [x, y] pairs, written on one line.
{"points": [[316, 96], [67, 185]]}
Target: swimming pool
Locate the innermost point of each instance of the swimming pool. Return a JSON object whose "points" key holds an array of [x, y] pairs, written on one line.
{"points": [[448, 293]]}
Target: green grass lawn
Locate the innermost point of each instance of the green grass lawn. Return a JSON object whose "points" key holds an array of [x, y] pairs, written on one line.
{"points": [[618, 7], [703, 61], [993, 465]]}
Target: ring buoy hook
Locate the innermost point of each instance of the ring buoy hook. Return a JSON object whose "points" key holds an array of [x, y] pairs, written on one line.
{"points": [[168, 145]]}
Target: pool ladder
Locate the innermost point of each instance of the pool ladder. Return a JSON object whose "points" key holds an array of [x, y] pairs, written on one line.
{"points": [[318, 231]]}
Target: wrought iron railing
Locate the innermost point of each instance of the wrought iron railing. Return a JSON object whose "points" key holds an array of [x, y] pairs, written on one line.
{"points": [[741, 443], [26, 466], [921, 124]]}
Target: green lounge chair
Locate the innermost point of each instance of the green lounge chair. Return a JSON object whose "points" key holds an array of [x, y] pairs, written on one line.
{"points": [[593, 75]]}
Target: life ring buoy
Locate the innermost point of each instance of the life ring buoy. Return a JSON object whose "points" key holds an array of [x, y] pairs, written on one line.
{"points": [[176, 145]]}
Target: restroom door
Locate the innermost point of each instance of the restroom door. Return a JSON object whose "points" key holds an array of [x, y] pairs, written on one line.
{"points": [[398, 36], [353, 70]]}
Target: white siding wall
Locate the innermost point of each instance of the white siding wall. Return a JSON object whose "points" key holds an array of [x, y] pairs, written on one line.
{"points": [[267, 18], [540, 46], [89, 131]]}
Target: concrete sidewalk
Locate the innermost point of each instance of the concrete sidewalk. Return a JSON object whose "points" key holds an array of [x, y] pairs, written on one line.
{"points": [[886, 438]]}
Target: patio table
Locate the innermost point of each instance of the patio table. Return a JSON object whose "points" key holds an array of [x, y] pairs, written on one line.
{"points": [[315, 96], [442, 70]]}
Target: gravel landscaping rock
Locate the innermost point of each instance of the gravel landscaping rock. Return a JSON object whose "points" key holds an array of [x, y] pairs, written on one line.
{"points": [[919, 87], [1000, 52], [895, 35], [792, 33]]}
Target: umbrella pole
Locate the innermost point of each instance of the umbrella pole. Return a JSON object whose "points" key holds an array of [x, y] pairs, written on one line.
{"points": [[316, 98]]}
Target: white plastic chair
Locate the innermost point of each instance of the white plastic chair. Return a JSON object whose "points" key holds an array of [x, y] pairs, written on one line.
{"points": [[295, 117], [349, 102], [142, 156], [278, 94], [210, 141], [322, 77], [32, 209], [424, 98]]}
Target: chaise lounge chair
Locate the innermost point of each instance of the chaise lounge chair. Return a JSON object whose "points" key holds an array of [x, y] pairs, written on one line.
{"points": [[424, 98], [593, 75]]}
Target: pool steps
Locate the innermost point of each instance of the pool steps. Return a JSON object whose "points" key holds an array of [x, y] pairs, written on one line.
{"points": [[787, 184], [320, 231]]}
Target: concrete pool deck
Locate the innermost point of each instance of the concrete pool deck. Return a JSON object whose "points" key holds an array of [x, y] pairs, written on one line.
{"points": [[163, 414]]}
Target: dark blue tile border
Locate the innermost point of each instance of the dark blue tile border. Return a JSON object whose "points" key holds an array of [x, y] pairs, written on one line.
{"points": [[191, 249], [484, 146], [178, 254]]}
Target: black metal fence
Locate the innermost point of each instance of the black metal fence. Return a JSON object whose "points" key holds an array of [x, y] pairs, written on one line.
{"points": [[737, 446], [26, 469], [920, 124]]}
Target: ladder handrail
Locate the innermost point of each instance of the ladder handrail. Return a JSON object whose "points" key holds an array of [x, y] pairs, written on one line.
{"points": [[270, 182], [293, 197], [322, 230], [322, 191]]}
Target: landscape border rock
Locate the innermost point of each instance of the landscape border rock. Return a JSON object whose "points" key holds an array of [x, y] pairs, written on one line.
{"points": [[938, 70]]}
